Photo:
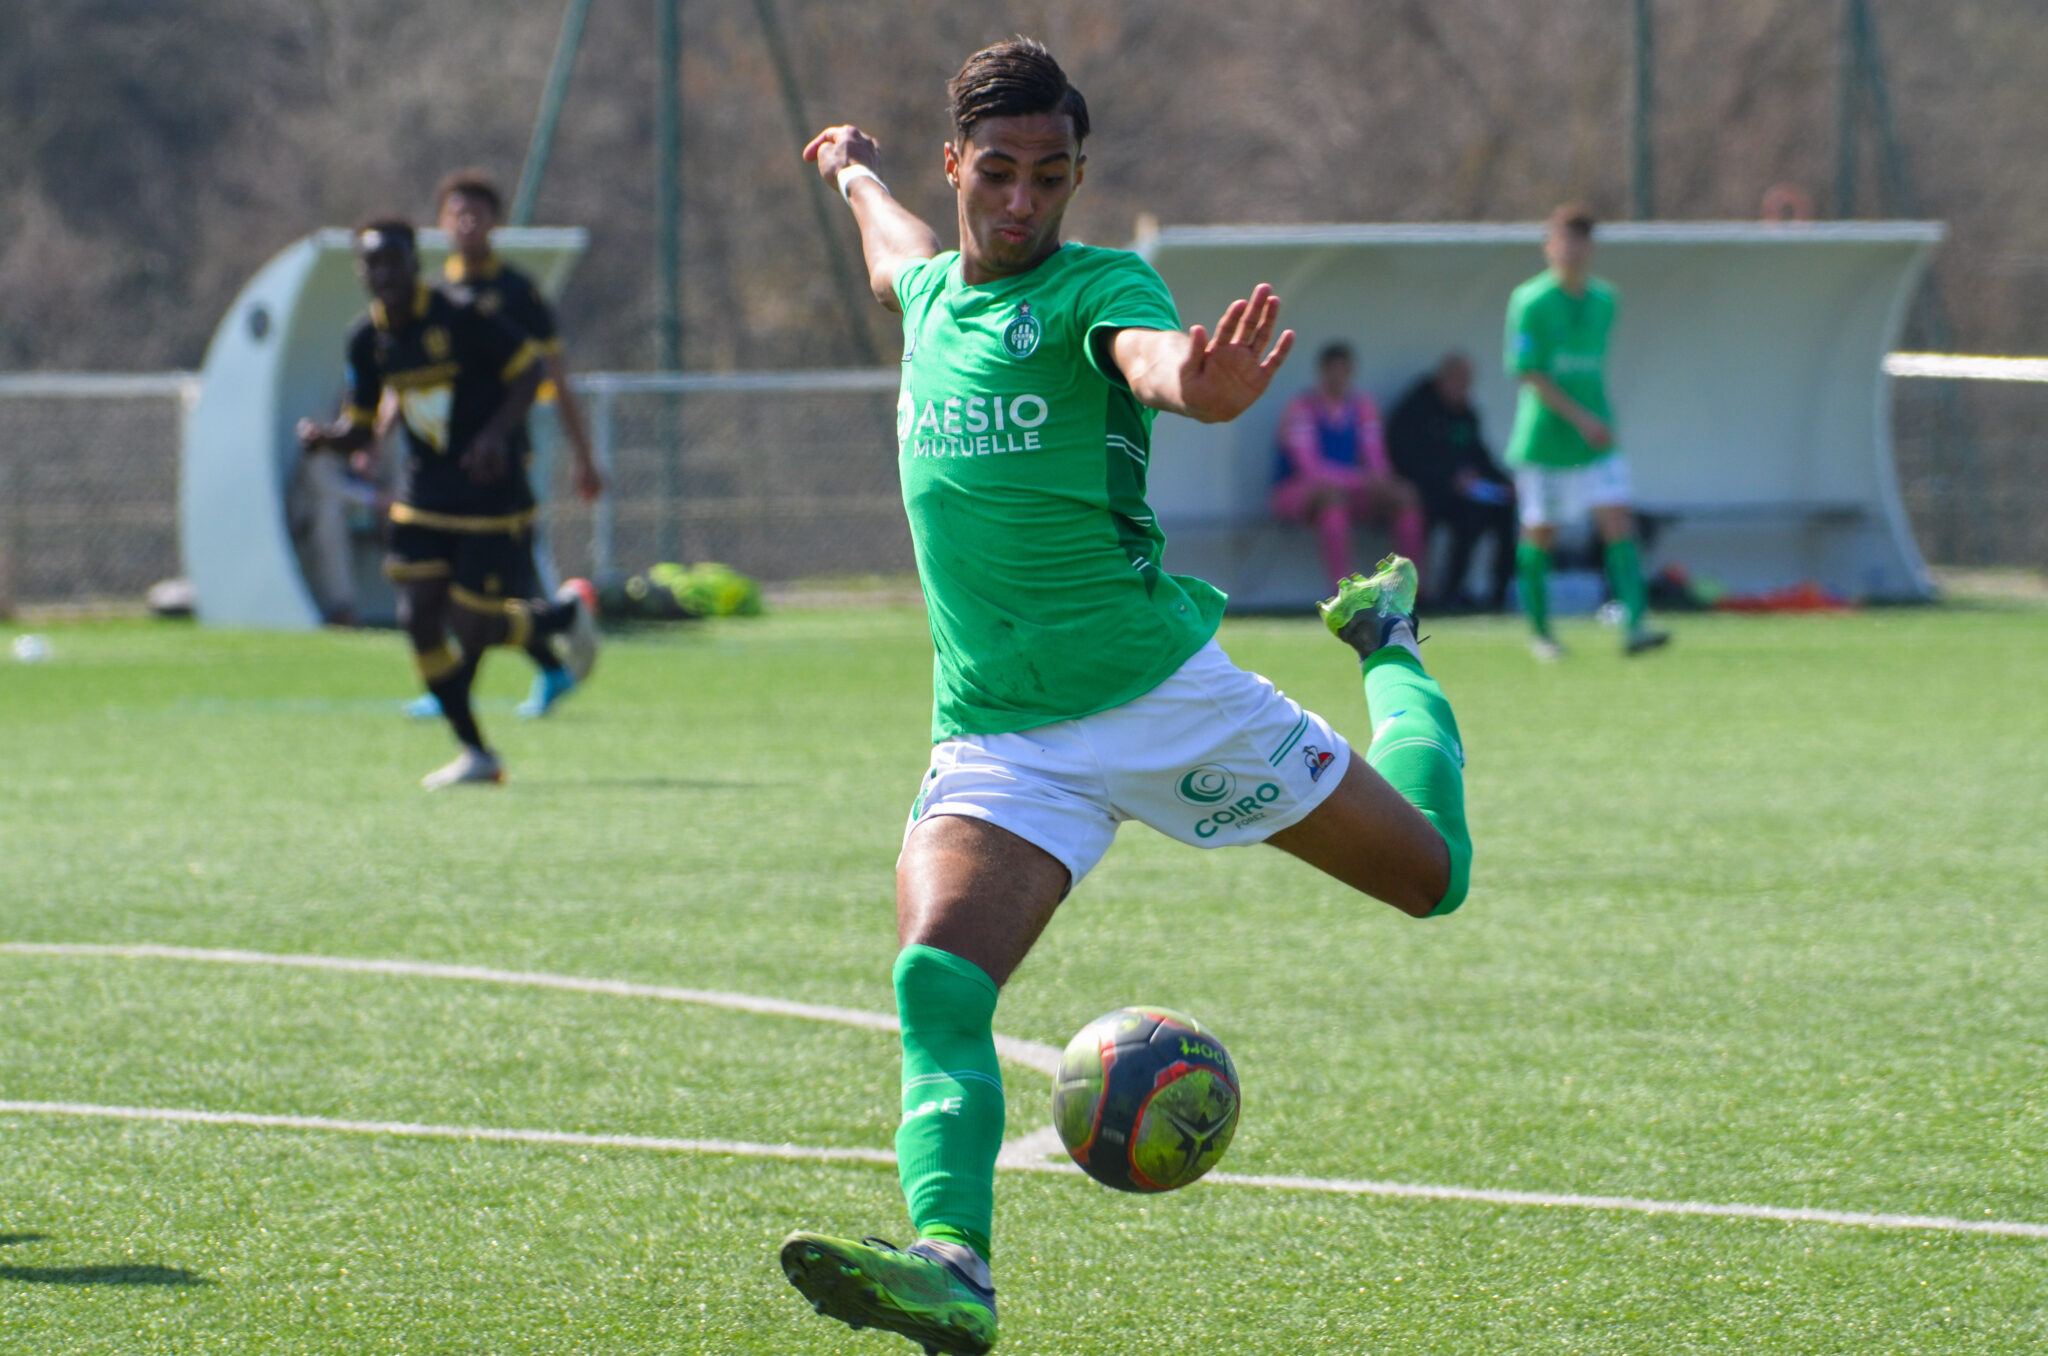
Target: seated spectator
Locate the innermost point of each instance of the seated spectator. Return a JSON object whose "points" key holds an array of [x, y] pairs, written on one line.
{"points": [[1332, 468], [1434, 442]]}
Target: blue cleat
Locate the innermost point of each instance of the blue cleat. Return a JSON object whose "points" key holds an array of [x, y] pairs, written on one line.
{"points": [[549, 687], [426, 706]]}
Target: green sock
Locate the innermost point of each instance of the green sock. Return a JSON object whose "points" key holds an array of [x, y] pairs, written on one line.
{"points": [[952, 1096], [1532, 572], [1625, 576], [1415, 746]]}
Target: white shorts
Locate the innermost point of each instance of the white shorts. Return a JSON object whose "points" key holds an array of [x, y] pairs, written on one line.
{"points": [[1213, 756], [1549, 495]]}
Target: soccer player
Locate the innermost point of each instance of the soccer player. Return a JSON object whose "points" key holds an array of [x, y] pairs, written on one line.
{"points": [[462, 524], [1562, 449], [1076, 683], [468, 206]]}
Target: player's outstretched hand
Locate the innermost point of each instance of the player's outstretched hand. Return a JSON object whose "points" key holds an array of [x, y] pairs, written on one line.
{"points": [[486, 460], [835, 148], [1223, 374], [312, 435]]}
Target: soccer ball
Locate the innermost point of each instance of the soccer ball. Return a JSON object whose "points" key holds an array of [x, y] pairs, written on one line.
{"points": [[1146, 1099]]}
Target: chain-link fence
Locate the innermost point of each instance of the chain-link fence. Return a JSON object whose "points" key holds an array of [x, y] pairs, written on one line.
{"points": [[781, 475], [88, 484], [1971, 444], [791, 475]]}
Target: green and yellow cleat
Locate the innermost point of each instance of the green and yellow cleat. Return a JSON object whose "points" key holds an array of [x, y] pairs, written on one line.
{"points": [[1369, 609], [937, 1294]]}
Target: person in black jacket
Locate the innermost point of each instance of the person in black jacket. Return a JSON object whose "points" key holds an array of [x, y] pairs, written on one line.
{"points": [[1434, 442]]}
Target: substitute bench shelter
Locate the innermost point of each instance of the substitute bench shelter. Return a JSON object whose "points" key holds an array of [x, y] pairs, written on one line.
{"points": [[1746, 376]]}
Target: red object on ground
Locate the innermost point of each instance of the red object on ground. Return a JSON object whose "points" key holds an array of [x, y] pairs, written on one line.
{"points": [[1805, 596]]}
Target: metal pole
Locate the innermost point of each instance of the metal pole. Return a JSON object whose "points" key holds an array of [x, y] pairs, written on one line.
{"points": [[853, 293], [604, 513], [1642, 185], [1848, 96], [557, 89], [668, 210]]}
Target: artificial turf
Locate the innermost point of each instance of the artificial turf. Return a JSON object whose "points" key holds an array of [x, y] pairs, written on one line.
{"points": [[1762, 919]]}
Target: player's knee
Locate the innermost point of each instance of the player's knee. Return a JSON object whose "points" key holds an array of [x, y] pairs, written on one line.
{"points": [[1458, 881]]}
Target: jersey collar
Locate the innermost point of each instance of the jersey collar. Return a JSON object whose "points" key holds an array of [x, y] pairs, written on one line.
{"points": [[421, 294], [458, 269]]}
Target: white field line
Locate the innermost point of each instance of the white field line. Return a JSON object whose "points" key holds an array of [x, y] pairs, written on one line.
{"points": [[1032, 1153], [1031, 1054], [1966, 367], [800, 1153]]}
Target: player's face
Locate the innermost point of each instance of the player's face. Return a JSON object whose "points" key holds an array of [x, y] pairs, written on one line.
{"points": [[1014, 180], [388, 275], [468, 220], [1569, 252], [1334, 376]]}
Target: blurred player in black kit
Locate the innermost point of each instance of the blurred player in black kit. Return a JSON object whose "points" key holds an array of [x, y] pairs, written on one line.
{"points": [[461, 552]]}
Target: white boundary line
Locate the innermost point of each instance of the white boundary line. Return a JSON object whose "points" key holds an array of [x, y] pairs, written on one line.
{"points": [[1965, 367], [1028, 1154]]}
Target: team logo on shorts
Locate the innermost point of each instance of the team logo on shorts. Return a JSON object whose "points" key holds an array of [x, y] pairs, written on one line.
{"points": [[1206, 785], [1021, 336], [1318, 761]]}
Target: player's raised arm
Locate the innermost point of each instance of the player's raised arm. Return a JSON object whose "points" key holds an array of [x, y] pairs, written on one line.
{"points": [[1208, 378], [891, 235]]}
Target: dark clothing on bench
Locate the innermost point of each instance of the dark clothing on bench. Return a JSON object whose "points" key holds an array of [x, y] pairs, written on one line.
{"points": [[1432, 445]]}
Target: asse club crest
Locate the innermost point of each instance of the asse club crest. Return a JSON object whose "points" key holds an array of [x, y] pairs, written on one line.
{"points": [[1021, 336]]}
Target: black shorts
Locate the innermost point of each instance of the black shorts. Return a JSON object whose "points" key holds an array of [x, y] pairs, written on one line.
{"points": [[490, 564]]}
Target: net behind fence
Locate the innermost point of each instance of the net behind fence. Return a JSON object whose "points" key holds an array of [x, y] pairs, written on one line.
{"points": [[1971, 444], [781, 476], [88, 485]]}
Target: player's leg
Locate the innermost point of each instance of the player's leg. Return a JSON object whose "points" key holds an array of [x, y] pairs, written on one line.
{"points": [[971, 898], [565, 620], [1497, 521], [1535, 489], [1463, 522], [1394, 827], [1617, 526]]}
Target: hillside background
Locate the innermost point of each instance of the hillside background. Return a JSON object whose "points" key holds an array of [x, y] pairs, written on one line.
{"points": [[152, 155]]}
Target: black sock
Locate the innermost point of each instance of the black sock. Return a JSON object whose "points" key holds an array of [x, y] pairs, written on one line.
{"points": [[453, 693], [543, 654], [551, 618]]}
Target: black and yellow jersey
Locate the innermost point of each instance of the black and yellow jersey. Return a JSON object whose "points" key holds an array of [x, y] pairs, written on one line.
{"points": [[500, 291], [450, 366]]}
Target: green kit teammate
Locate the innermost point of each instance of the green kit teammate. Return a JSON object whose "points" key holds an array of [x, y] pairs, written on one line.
{"points": [[1562, 450], [1076, 683]]}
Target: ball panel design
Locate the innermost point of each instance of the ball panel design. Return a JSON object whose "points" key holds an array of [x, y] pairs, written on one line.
{"points": [[1146, 1099]]}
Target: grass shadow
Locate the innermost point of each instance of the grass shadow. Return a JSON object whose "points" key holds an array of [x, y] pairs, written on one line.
{"points": [[9, 1240], [112, 1275]]}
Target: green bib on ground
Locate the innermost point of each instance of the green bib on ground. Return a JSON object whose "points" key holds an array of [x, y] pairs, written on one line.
{"points": [[1023, 464], [1564, 337]]}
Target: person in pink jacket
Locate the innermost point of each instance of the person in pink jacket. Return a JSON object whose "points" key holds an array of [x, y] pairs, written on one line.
{"points": [[1332, 469]]}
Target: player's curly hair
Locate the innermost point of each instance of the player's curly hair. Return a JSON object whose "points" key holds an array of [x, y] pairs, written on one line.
{"points": [[1009, 80], [470, 183]]}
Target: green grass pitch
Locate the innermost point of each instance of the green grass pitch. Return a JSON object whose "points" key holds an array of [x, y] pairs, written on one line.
{"points": [[1762, 920]]}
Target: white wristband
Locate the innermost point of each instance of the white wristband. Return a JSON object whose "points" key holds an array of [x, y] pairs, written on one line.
{"points": [[852, 175]]}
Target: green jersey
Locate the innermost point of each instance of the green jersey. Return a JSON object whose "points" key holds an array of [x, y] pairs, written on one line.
{"points": [[1023, 456], [1565, 337]]}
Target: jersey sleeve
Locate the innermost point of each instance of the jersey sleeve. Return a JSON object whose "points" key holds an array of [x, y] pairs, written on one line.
{"points": [[920, 276], [1528, 338], [1126, 295], [365, 378], [527, 311]]}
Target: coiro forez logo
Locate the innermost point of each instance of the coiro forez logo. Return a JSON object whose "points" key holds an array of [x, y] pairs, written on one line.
{"points": [[1206, 785]]}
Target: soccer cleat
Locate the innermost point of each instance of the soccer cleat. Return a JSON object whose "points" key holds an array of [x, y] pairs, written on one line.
{"points": [[1642, 639], [471, 765], [549, 687], [580, 639], [1546, 649], [426, 706], [935, 1293], [1369, 611]]}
